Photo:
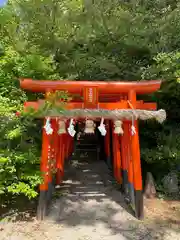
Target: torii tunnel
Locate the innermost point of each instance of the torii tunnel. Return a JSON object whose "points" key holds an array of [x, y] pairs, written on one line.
{"points": [[126, 150]]}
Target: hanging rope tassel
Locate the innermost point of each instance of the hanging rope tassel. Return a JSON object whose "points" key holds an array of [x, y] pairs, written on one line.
{"points": [[118, 127], [134, 116], [89, 126], [70, 129], [133, 129], [61, 127], [48, 127], [102, 128]]}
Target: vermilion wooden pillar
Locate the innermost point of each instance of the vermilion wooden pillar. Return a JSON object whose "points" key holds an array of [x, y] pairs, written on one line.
{"points": [[54, 143], [63, 156], [124, 156], [130, 163], [71, 141], [59, 161], [107, 144], [42, 205], [114, 161], [135, 150], [116, 156], [44, 160], [127, 161], [68, 143], [119, 160], [67, 146], [53, 151], [65, 140]]}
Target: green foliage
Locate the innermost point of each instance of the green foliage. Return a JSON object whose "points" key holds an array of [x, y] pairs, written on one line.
{"points": [[19, 157], [20, 138], [162, 151]]}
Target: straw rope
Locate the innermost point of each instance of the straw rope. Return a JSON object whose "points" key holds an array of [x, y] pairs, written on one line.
{"points": [[121, 114]]}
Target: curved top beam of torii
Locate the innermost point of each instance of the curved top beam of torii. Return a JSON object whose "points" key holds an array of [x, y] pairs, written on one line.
{"points": [[76, 87]]}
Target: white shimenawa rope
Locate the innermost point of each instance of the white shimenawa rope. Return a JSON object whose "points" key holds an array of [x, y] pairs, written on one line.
{"points": [[102, 128], [118, 114], [70, 129], [48, 127]]}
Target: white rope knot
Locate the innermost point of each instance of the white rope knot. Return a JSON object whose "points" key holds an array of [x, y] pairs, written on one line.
{"points": [[134, 116], [102, 128], [48, 127], [133, 129], [70, 129]]}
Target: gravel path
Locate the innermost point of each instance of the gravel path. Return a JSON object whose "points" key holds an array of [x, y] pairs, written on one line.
{"points": [[88, 207]]}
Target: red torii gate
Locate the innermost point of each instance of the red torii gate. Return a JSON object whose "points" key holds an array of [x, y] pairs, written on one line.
{"points": [[126, 150]]}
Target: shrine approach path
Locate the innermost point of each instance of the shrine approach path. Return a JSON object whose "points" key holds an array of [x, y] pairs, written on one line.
{"points": [[88, 206]]}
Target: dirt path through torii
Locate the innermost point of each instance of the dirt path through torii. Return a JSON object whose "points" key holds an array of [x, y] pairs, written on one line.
{"points": [[88, 208], [93, 209]]}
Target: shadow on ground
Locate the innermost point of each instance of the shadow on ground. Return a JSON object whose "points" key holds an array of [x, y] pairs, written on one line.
{"points": [[88, 203], [88, 198], [17, 208]]}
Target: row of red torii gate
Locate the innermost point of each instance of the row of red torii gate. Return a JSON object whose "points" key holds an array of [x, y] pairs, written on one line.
{"points": [[116, 106]]}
